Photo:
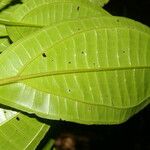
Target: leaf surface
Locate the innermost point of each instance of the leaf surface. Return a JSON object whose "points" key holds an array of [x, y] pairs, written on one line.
{"points": [[88, 71]]}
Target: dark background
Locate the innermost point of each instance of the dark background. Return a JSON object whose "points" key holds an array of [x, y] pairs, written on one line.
{"points": [[138, 10], [133, 134]]}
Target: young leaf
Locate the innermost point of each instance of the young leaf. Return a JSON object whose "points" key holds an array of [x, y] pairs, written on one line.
{"points": [[18, 131], [46, 12], [88, 71]]}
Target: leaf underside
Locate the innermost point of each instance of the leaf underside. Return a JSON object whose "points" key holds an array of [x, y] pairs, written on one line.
{"points": [[87, 71]]}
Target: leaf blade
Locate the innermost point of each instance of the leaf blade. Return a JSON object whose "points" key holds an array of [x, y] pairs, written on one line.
{"points": [[76, 93]]}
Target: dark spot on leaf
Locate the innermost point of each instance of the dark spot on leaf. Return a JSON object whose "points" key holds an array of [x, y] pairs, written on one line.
{"points": [[78, 8], [117, 20], [69, 62], [69, 90], [82, 52], [4, 112], [78, 29], [43, 54], [0, 52], [52, 60], [17, 118], [124, 51]]}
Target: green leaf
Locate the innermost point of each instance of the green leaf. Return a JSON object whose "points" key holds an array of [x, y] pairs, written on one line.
{"points": [[46, 12], [100, 2], [18, 131], [89, 71]]}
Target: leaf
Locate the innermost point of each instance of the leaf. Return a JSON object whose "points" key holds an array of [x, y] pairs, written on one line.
{"points": [[92, 71], [100, 2], [18, 131], [46, 12]]}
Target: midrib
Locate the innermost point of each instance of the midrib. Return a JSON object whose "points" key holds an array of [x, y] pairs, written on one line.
{"points": [[16, 79]]}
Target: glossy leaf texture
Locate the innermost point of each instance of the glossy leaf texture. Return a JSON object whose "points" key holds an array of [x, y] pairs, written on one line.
{"points": [[18, 131], [47, 12], [100, 2], [92, 71]]}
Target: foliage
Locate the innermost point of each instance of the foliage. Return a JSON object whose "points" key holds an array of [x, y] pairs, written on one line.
{"points": [[68, 60]]}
